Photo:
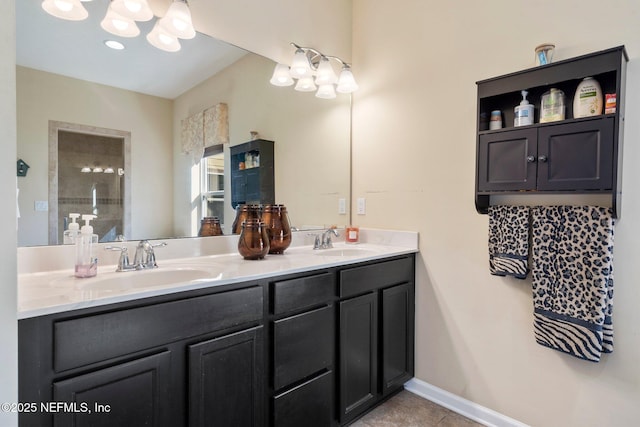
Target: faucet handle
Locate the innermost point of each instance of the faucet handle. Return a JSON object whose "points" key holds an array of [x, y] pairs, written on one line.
{"points": [[123, 262]]}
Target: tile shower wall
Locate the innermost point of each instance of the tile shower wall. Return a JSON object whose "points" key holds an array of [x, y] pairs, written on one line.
{"points": [[91, 193]]}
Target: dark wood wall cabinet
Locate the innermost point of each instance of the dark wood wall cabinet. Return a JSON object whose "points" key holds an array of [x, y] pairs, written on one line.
{"points": [[252, 173], [314, 349], [570, 156]]}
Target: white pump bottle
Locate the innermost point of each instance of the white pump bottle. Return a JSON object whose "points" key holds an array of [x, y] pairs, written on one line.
{"points": [[71, 233], [86, 261]]}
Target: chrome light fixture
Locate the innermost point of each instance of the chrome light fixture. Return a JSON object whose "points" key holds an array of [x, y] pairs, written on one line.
{"points": [[71, 10], [162, 39], [119, 25], [177, 21], [308, 62], [122, 15], [137, 10]]}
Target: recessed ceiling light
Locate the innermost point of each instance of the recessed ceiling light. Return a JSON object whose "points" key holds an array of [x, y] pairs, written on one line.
{"points": [[114, 44]]}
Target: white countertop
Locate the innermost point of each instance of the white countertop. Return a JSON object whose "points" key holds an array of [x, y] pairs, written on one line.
{"points": [[53, 291]]}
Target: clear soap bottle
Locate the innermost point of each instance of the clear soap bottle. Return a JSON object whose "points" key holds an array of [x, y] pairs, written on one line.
{"points": [[71, 233], [86, 261]]}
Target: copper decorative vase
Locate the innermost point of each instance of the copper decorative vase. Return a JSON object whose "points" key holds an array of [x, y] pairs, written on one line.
{"points": [[210, 226], [244, 213], [276, 220], [254, 241]]}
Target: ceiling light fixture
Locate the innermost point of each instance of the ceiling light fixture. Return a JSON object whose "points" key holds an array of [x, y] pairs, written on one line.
{"points": [[308, 62], [98, 169], [137, 10], [109, 170], [177, 21], [119, 25], [163, 40], [71, 10], [121, 18], [85, 169]]}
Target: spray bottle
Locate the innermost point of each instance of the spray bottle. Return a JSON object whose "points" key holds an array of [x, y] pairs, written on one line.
{"points": [[86, 261], [71, 233]]}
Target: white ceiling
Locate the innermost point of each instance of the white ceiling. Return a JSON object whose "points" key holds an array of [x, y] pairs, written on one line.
{"points": [[76, 49]]}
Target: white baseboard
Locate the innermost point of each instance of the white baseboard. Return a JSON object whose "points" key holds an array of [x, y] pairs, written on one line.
{"points": [[477, 413]]}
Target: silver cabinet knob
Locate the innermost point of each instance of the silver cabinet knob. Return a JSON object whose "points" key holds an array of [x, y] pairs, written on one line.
{"points": [[542, 159], [531, 159]]}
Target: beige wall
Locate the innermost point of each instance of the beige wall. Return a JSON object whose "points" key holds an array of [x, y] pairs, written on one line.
{"points": [[8, 278], [44, 96], [267, 27], [414, 161], [311, 142]]}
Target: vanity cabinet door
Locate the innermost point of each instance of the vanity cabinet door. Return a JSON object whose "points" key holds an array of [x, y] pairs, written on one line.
{"points": [[135, 393], [358, 354], [226, 379], [397, 336]]}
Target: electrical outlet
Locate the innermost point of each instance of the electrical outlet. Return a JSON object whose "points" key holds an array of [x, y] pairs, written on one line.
{"points": [[362, 207], [342, 206], [41, 205]]}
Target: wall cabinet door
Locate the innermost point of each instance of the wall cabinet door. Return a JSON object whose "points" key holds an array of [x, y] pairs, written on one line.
{"points": [[226, 379], [569, 156], [135, 393], [506, 161], [358, 354], [576, 156], [397, 337]]}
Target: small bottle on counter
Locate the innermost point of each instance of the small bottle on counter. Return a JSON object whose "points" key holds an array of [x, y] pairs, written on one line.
{"points": [[86, 261], [73, 230], [352, 234]]}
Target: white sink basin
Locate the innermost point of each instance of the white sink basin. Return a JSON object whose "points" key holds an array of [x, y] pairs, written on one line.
{"points": [[345, 252], [144, 279]]}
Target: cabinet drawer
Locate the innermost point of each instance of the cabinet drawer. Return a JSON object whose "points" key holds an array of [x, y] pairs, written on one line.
{"points": [[82, 341], [303, 345], [302, 292], [309, 404], [359, 280]]}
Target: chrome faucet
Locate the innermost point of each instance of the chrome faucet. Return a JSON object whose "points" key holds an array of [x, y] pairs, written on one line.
{"points": [[144, 258], [323, 241]]}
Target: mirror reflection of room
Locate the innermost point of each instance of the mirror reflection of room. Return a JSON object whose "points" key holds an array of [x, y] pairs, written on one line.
{"points": [[91, 181]]}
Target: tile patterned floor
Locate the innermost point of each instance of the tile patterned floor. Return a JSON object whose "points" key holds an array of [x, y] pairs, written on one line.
{"points": [[406, 409]]}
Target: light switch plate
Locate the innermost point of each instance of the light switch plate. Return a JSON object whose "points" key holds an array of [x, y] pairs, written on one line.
{"points": [[362, 207], [41, 205], [342, 206]]}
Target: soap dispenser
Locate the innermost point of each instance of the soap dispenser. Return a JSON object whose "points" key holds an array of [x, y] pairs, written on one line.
{"points": [[86, 262], [524, 112], [71, 233]]}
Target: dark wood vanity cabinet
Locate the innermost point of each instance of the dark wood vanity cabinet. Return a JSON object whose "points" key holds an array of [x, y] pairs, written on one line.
{"points": [[187, 361], [313, 349], [571, 156], [303, 352], [376, 333]]}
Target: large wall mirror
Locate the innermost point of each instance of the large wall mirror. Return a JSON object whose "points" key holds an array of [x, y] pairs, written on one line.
{"points": [[167, 186]]}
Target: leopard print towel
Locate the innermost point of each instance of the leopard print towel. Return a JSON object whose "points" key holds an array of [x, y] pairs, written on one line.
{"points": [[572, 255], [509, 241]]}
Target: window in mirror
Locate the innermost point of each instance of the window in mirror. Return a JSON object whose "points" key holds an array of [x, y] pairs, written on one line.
{"points": [[212, 195]]}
